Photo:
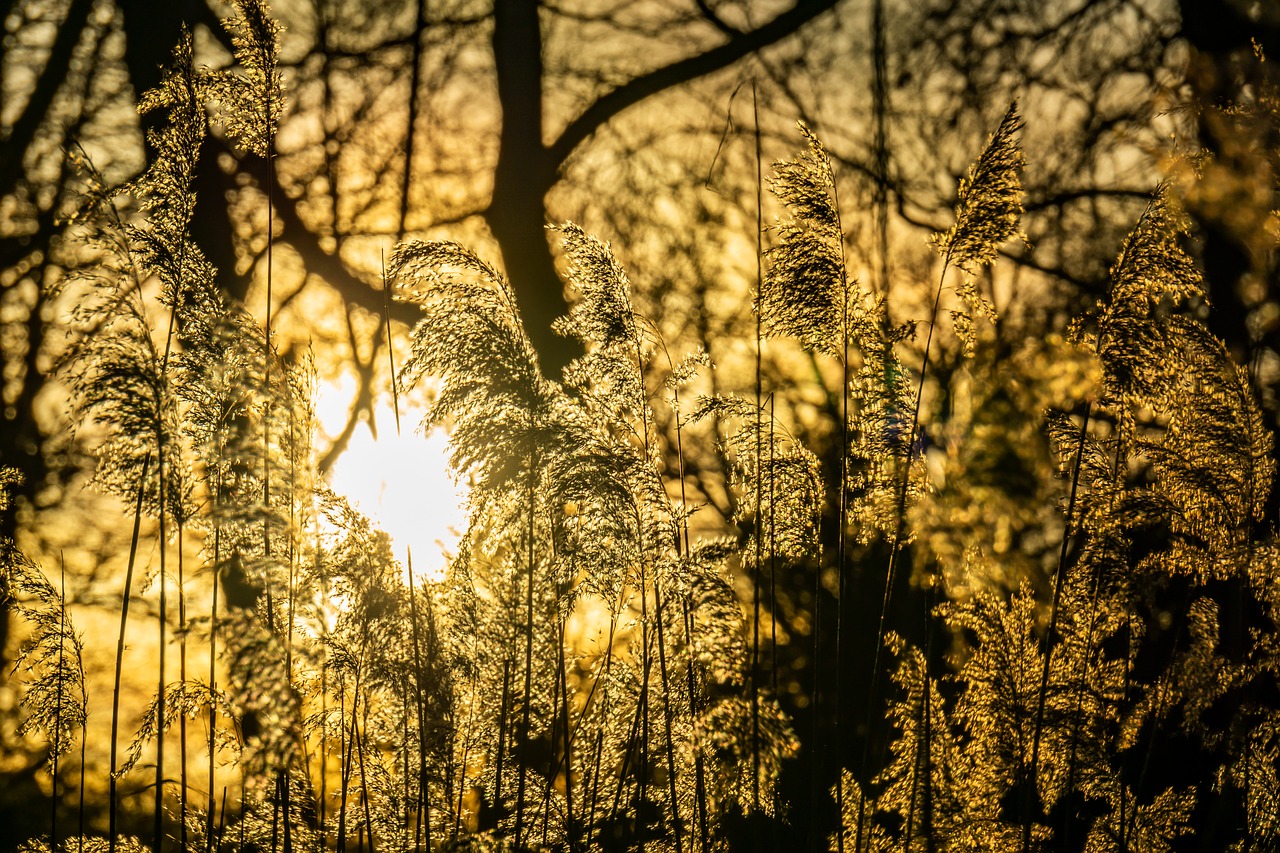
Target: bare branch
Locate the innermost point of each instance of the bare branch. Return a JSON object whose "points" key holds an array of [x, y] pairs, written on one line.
{"points": [[684, 71]]}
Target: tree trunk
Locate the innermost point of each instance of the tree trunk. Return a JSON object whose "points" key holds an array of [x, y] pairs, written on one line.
{"points": [[522, 178]]}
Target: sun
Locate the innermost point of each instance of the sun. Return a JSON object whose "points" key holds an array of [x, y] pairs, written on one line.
{"points": [[402, 483]]}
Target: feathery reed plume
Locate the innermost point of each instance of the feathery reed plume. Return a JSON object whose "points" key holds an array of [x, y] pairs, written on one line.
{"points": [[502, 412], [612, 377], [165, 191], [1134, 341], [55, 700], [1050, 739], [806, 294], [987, 213], [470, 337], [252, 99], [116, 382]]}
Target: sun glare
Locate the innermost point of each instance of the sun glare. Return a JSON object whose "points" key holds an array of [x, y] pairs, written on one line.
{"points": [[401, 482]]}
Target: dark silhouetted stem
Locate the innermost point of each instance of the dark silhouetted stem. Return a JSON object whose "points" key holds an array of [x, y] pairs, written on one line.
{"points": [[424, 800], [57, 711], [213, 686], [182, 692], [528, 658], [759, 478], [124, 621], [1059, 582]]}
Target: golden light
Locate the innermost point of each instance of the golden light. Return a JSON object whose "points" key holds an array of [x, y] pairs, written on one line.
{"points": [[401, 482]]}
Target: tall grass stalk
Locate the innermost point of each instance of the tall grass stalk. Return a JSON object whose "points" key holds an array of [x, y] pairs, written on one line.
{"points": [[322, 807], [364, 775], [423, 814], [468, 732], [642, 706], [987, 214], [57, 712], [344, 766], [84, 741], [158, 824], [569, 733], [759, 479], [112, 794], [182, 688], [605, 709], [531, 497], [842, 508], [682, 551], [504, 722], [213, 684], [668, 738], [773, 553], [423, 820], [286, 784], [649, 465], [1059, 580]]}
